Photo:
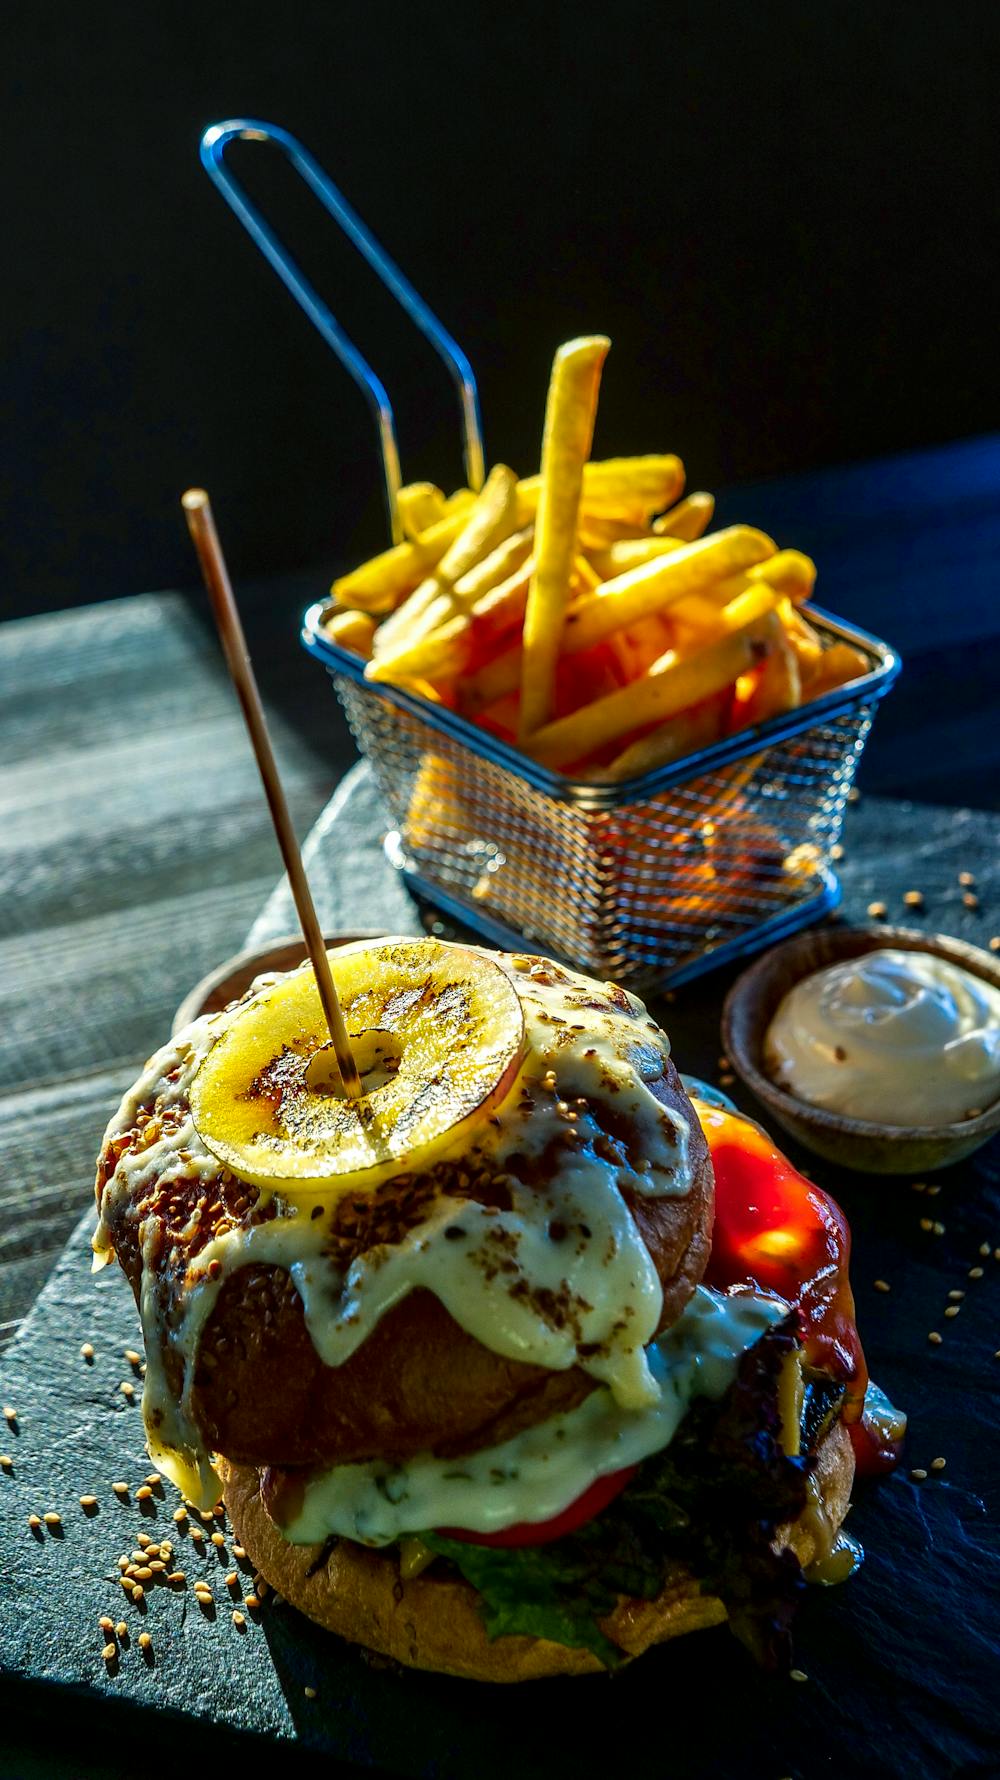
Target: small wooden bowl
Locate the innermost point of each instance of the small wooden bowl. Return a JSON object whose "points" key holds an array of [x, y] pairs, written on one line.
{"points": [[853, 1143], [233, 978]]}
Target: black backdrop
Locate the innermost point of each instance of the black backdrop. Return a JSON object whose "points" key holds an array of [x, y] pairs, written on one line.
{"points": [[784, 215]]}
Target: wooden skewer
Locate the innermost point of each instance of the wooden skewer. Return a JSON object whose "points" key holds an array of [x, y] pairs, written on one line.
{"points": [[201, 525]]}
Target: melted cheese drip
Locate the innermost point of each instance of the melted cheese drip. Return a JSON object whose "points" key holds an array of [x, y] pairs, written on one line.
{"points": [[539, 1472], [561, 1279]]}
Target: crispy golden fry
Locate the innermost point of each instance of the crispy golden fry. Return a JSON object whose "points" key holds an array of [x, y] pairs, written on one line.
{"points": [[778, 685], [502, 608], [681, 735], [838, 665], [379, 584], [688, 520], [439, 654], [496, 568], [420, 505], [628, 489], [671, 685], [618, 558], [636, 648], [351, 630], [805, 644], [569, 429], [486, 524], [654, 586]]}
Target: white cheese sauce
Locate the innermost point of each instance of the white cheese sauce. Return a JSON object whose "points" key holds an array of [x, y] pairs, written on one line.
{"points": [[561, 1278], [539, 1472], [896, 1037]]}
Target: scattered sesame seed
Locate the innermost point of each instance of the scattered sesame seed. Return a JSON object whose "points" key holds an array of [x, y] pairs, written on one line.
{"points": [[995, 943], [938, 1229], [144, 1493], [6, 1462], [984, 1250], [918, 1474], [131, 1356], [996, 1254], [10, 1414], [310, 1692], [106, 1624], [180, 1514], [955, 1296], [177, 1576], [157, 1566], [797, 1675], [938, 1464], [127, 1388], [919, 1186], [207, 1515], [127, 1584], [138, 1592], [882, 1285], [144, 1574], [934, 1338], [966, 878], [933, 1191], [913, 899], [952, 1310], [239, 1618], [139, 1557], [253, 1602], [197, 1534], [88, 1501], [218, 1538], [109, 1652], [153, 1479], [232, 1579], [87, 1351], [166, 1549], [120, 1489], [143, 1539], [34, 1522], [145, 1640], [121, 1629], [238, 1551], [970, 899], [878, 912], [926, 1223], [123, 1563], [975, 1273], [52, 1519]]}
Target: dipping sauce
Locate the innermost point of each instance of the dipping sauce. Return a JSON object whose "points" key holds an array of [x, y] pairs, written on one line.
{"points": [[895, 1037]]}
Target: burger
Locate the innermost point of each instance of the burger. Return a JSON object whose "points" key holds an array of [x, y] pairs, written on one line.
{"points": [[477, 1386]]}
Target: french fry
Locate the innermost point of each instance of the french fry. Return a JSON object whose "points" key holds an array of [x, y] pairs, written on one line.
{"points": [[439, 654], [629, 489], [351, 630], [776, 685], [494, 569], [487, 608], [624, 554], [491, 519], [501, 609], [838, 665], [671, 685], [680, 735], [654, 586], [688, 520], [420, 505], [379, 584], [585, 576], [569, 428]]}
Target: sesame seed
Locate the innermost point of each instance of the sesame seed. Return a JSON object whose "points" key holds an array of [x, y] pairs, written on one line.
{"points": [[933, 1191], [966, 878], [52, 1519], [106, 1624], [970, 899], [995, 943], [918, 1474], [127, 1388], [120, 1489], [938, 1229], [145, 1640], [87, 1351], [88, 1501], [882, 1285], [238, 1551], [239, 1618], [996, 1254], [197, 1534], [10, 1414], [878, 912], [157, 1566], [138, 1592], [913, 899], [919, 1186], [926, 1223], [232, 1579], [131, 1356], [176, 1576], [180, 1514], [218, 1538], [6, 1462], [938, 1464], [144, 1493], [127, 1584], [121, 1629], [934, 1338], [207, 1515], [144, 1574], [975, 1273], [109, 1652], [139, 1557], [153, 1479], [166, 1549], [797, 1675], [34, 1522], [261, 1586], [123, 1563], [952, 1310], [219, 1511], [310, 1692], [955, 1296], [253, 1603], [984, 1250]]}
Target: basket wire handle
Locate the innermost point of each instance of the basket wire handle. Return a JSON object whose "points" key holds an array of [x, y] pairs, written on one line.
{"points": [[214, 143]]}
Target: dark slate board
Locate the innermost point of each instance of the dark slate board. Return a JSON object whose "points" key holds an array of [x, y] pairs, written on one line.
{"points": [[902, 1662]]}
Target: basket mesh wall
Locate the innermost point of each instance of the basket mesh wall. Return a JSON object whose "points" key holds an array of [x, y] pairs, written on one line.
{"points": [[632, 893]]}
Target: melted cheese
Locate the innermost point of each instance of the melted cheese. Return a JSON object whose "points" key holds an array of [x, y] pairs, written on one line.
{"points": [[538, 1473], [560, 1279]]}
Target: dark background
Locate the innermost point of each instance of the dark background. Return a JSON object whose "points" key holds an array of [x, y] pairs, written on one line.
{"points": [[783, 215]]}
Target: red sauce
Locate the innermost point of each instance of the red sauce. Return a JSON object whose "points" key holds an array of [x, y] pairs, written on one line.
{"points": [[783, 1234]]}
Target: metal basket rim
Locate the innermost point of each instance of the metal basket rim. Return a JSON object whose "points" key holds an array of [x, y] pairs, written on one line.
{"points": [[590, 794]]}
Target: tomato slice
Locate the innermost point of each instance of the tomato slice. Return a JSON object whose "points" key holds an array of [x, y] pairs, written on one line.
{"points": [[538, 1532]]}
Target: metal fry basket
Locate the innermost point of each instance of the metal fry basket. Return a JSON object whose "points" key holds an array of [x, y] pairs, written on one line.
{"points": [[649, 881]]}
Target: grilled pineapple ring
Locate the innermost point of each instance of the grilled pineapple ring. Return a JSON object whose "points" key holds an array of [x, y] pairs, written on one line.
{"points": [[438, 1033]]}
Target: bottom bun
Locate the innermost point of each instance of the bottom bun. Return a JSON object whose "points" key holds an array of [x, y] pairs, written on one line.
{"points": [[433, 1622]]}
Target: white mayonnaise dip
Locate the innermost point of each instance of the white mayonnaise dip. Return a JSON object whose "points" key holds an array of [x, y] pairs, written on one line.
{"points": [[539, 1472], [561, 1279], [896, 1037]]}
